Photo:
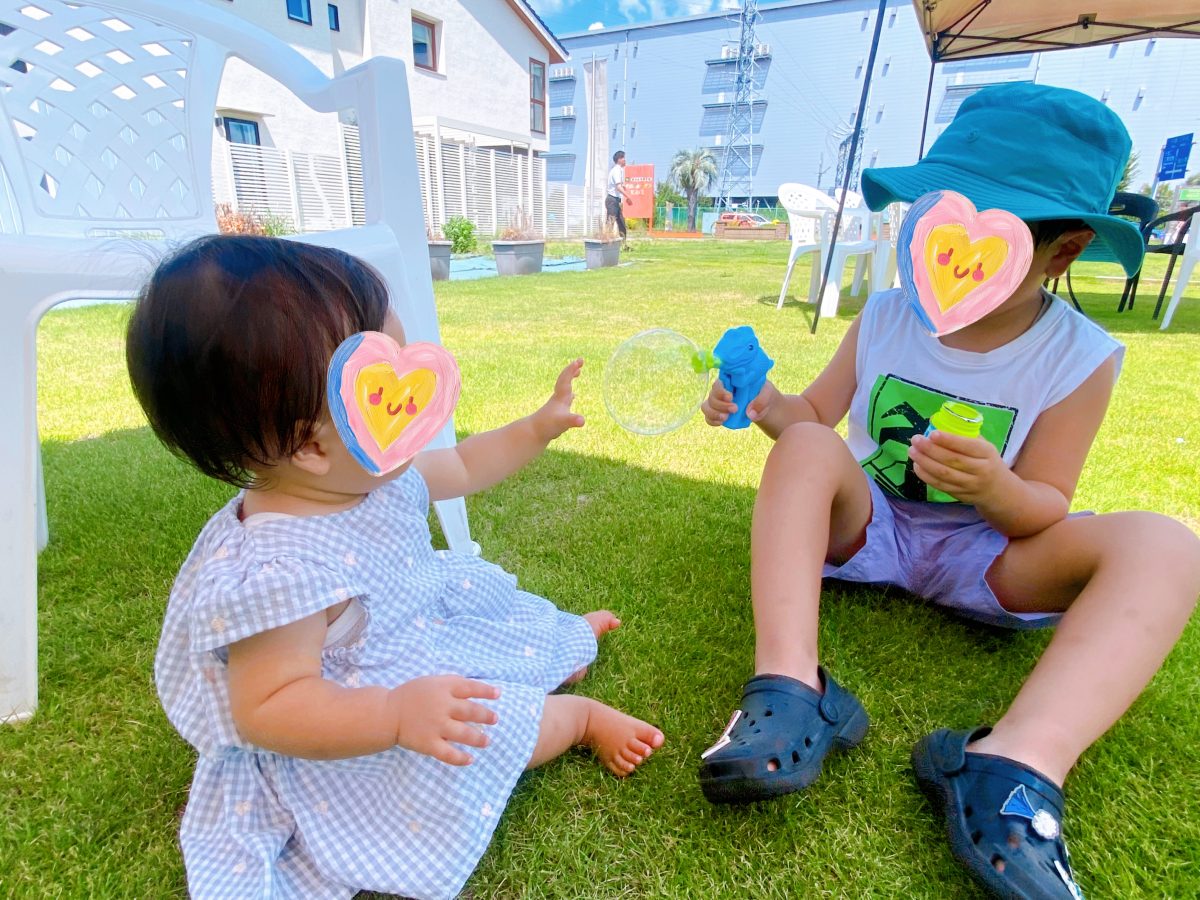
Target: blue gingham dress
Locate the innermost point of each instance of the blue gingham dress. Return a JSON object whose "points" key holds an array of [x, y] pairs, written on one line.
{"points": [[261, 824]]}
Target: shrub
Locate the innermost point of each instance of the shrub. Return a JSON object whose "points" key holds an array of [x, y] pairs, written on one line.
{"points": [[250, 221], [460, 231]]}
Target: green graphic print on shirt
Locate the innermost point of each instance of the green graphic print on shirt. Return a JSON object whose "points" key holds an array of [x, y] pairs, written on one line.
{"points": [[897, 411]]}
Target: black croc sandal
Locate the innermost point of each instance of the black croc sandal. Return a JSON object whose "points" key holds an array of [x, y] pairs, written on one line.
{"points": [[775, 744], [1004, 819]]}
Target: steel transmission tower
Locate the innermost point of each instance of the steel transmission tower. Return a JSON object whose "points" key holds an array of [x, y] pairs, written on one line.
{"points": [[737, 166]]}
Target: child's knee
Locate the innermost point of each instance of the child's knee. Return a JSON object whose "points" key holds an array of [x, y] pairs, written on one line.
{"points": [[1147, 539], [810, 440]]}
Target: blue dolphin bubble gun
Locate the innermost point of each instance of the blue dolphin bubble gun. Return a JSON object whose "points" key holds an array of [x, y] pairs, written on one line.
{"points": [[742, 367]]}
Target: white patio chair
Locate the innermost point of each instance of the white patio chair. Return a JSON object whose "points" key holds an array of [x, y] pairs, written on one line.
{"points": [[885, 227], [805, 206], [854, 241], [1187, 264], [108, 110]]}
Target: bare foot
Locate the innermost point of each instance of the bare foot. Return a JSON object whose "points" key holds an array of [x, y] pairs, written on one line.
{"points": [[621, 742], [602, 622]]}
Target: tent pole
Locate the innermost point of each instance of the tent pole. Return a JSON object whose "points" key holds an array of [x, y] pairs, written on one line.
{"points": [[928, 97], [858, 124]]}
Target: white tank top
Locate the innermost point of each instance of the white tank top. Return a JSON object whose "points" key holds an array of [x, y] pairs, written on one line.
{"points": [[905, 374]]}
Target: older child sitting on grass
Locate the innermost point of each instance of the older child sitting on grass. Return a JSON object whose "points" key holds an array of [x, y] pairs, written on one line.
{"points": [[1004, 549]]}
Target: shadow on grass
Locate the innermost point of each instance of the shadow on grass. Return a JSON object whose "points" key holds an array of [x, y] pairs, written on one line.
{"points": [[94, 784]]}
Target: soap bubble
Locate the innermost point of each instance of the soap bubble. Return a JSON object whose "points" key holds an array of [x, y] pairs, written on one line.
{"points": [[650, 383]]}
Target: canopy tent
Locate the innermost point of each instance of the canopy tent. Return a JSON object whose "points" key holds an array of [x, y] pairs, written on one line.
{"points": [[966, 29], [962, 29]]}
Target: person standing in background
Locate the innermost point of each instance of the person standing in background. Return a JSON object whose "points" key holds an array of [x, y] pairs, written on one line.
{"points": [[616, 194]]}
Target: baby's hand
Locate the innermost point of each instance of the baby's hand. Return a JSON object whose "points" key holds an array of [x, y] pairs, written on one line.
{"points": [[968, 469], [719, 406], [556, 416], [435, 712]]}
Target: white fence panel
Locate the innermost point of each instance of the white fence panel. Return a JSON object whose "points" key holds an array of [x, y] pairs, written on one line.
{"points": [[317, 193]]}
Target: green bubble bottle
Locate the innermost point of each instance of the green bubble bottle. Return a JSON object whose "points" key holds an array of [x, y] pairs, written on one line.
{"points": [[953, 418], [956, 418]]}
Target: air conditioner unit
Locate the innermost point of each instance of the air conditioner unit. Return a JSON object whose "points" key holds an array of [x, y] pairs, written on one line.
{"points": [[567, 111], [722, 97], [718, 140], [562, 72], [763, 49], [728, 52]]}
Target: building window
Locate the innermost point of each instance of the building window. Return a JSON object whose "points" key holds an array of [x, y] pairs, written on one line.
{"points": [[865, 22], [1149, 46], [424, 44], [335, 20], [300, 11], [858, 69], [633, 91], [892, 20], [537, 96], [887, 64], [241, 131], [1104, 97], [1141, 95]]}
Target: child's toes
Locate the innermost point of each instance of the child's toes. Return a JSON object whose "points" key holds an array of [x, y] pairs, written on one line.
{"points": [[648, 734]]}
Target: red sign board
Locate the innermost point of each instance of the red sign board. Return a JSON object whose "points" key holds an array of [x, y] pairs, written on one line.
{"points": [[639, 184]]}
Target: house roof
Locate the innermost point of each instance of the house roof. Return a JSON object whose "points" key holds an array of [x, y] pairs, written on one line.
{"points": [[558, 53]]}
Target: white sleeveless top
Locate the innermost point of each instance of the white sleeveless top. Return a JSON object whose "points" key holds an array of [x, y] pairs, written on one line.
{"points": [[904, 375]]}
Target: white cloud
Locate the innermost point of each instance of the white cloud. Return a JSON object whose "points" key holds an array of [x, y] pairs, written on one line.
{"points": [[595, 26], [631, 8], [549, 7]]}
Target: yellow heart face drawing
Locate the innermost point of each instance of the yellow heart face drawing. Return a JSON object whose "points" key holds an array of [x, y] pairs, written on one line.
{"points": [[957, 265], [390, 402]]}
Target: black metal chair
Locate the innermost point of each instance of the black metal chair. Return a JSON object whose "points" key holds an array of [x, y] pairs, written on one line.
{"points": [[1177, 244], [1141, 209]]}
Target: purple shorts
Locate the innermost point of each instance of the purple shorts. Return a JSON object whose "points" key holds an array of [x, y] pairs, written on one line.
{"points": [[938, 551]]}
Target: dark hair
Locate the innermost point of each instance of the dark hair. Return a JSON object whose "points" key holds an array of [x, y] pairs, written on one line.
{"points": [[1050, 230], [229, 344], [618, 155]]}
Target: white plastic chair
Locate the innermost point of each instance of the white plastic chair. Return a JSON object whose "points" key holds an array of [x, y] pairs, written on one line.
{"points": [[805, 206], [854, 241], [107, 136], [1187, 263], [885, 227]]}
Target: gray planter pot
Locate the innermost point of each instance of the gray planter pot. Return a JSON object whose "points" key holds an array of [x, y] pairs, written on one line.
{"points": [[601, 254], [439, 259], [518, 257]]}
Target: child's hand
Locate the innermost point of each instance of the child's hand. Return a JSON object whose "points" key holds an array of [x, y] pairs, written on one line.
{"points": [[719, 406], [435, 712], [968, 469], [555, 416]]}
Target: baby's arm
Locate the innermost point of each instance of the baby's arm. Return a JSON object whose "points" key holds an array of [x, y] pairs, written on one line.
{"points": [[485, 459], [826, 400], [281, 703], [1036, 492]]}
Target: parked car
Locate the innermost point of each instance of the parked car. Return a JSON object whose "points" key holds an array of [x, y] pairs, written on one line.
{"points": [[743, 219]]}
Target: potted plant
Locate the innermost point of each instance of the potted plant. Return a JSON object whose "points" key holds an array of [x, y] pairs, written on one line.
{"points": [[439, 254], [602, 248], [520, 247]]}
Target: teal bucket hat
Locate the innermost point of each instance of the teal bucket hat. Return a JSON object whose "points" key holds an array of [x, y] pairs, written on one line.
{"points": [[1038, 152]]}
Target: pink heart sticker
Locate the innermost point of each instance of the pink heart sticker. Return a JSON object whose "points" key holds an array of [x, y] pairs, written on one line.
{"points": [[389, 401], [957, 264]]}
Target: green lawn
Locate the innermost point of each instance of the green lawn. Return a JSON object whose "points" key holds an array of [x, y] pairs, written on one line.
{"points": [[654, 528]]}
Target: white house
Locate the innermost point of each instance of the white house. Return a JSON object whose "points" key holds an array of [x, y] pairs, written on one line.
{"points": [[479, 67], [478, 74]]}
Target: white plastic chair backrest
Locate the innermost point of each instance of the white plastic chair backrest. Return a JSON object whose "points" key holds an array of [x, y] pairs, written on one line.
{"points": [[805, 206], [109, 118]]}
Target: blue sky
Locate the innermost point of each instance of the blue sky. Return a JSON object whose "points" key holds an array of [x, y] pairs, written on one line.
{"points": [[567, 16]]}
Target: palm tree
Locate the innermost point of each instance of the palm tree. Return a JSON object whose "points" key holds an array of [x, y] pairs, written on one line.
{"points": [[693, 171]]}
